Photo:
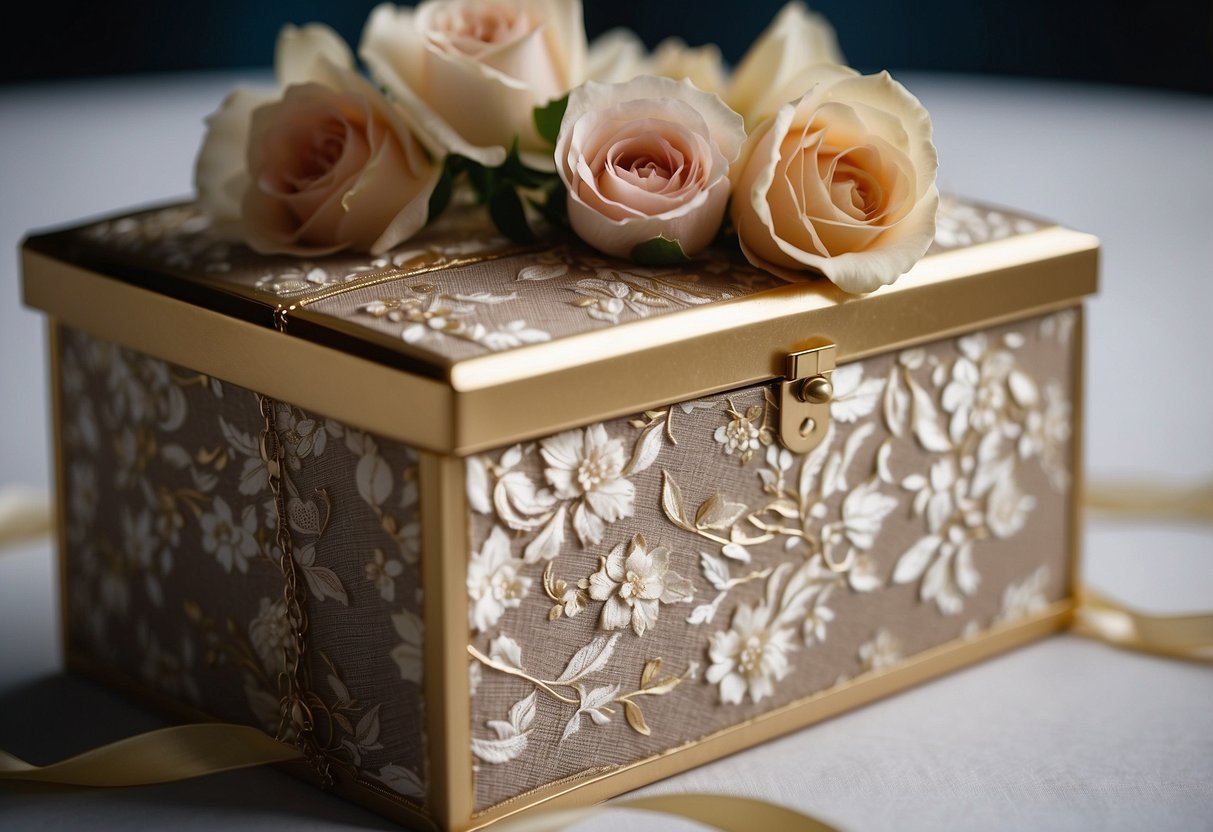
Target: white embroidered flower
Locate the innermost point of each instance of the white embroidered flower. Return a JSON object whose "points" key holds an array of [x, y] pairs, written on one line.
{"points": [[976, 395], [1047, 434], [587, 466], [745, 433], [750, 656], [494, 584], [233, 544], [634, 582], [884, 650], [1025, 599], [302, 435], [270, 633], [1008, 507], [383, 574]]}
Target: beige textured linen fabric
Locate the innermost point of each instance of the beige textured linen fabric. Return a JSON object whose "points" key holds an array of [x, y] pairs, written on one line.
{"points": [[943, 488], [172, 571]]}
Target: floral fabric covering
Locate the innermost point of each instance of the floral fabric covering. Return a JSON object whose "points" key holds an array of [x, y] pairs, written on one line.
{"points": [[645, 582], [173, 574]]}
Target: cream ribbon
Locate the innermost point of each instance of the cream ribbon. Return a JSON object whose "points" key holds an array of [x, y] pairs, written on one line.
{"points": [[186, 751]]}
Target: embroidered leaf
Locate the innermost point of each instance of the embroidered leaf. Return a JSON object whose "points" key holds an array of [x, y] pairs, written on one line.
{"points": [[967, 576], [718, 513], [589, 659], [715, 569], [784, 508], [505, 650], [735, 551], [704, 613], [854, 398], [647, 449], [373, 478], [671, 501], [340, 691], [914, 560], [541, 271], [402, 781], [407, 655], [499, 751], [367, 731], [926, 421], [523, 713], [238, 439], [651, 668], [635, 717], [477, 485], [835, 479], [813, 463], [863, 512], [896, 404], [324, 583]]}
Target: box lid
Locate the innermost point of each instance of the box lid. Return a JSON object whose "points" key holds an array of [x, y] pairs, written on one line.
{"points": [[459, 340]]}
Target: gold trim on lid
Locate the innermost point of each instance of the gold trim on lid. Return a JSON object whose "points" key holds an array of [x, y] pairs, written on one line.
{"points": [[380, 384]]}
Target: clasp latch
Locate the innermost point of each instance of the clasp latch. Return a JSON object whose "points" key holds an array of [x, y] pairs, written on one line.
{"points": [[804, 398]]}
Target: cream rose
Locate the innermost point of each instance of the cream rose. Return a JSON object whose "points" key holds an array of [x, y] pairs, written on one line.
{"points": [[619, 55], [472, 72], [645, 160], [796, 40], [841, 182], [326, 164]]}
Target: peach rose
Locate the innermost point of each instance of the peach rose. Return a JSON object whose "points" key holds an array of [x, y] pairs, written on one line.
{"points": [[841, 182], [646, 160], [326, 164], [796, 40], [473, 71]]}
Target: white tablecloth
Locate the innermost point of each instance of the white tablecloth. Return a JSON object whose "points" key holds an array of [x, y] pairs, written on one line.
{"points": [[1060, 735]]}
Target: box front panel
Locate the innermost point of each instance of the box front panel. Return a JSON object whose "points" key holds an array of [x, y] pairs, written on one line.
{"points": [[642, 584], [173, 568]]}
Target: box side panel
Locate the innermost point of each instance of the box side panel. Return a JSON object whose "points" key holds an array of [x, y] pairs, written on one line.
{"points": [[352, 506], [641, 585], [173, 573]]}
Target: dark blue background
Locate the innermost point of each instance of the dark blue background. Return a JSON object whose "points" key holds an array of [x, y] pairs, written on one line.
{"points": [[1167, 43]]}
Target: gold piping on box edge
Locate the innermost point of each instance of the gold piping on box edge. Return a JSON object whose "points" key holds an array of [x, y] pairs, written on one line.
{"points": [[447, 700], [586, 377]]}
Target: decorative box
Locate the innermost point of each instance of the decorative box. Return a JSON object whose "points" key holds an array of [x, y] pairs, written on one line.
{"points": [[485, 528]]}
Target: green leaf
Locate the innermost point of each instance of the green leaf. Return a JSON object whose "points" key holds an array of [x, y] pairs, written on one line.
{"points": [[548, 118], [508, 214], [484, 182], [441, 195], [659, 251], [555, 203]]}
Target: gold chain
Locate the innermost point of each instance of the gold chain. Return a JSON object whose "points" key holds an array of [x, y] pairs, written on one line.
{"points": [[295, 717]]}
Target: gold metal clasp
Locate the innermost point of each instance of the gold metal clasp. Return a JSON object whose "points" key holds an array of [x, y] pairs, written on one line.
{"points": [[804, 398]]}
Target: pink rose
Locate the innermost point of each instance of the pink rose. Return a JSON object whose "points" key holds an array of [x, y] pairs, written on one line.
{"points": [[328, 164], [840, 182], [646, 160], [472, 72]]}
